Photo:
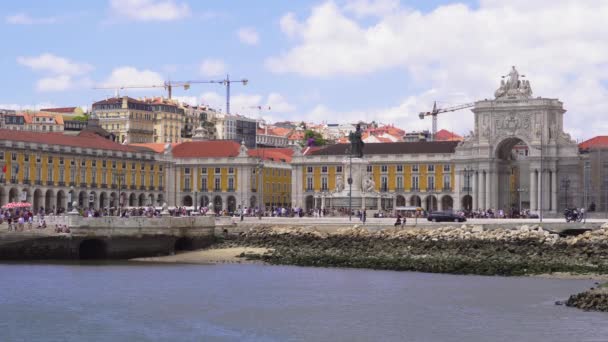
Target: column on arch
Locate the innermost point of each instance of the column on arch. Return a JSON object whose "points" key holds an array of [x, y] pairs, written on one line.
{"points": [[533, 190], [487, 190], [474, 193], [553, 190]]}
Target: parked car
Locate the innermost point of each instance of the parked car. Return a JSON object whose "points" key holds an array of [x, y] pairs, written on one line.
{"points": [[439, 216]]}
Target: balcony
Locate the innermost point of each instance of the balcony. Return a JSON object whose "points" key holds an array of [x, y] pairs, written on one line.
{"points": [[72, 183], [160, 188], [83, 185], [447, 188], [467, 189], [38, 182], [310, 189], [384, 189], [133, 187], [430, 188], [187, 190], [14, 180], [217, 190], [26, 181], [414, 189], [61, 183], [50, 183], [151, 188], [254, 190], [400, 189], [93, 185], [104, 186], [114, 186], [142, 187], [230, 190]]}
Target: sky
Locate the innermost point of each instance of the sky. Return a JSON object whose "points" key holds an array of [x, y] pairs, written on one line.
{"points": [[328, 61]]}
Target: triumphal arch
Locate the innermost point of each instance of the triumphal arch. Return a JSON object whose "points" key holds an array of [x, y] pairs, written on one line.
{"points": [[518, 153]]}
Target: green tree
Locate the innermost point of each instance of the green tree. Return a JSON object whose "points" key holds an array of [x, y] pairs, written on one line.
{"points": [[318, 139]]}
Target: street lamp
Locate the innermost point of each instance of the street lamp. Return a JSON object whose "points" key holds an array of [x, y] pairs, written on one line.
{"points": [[119, 175], [350, 183]]}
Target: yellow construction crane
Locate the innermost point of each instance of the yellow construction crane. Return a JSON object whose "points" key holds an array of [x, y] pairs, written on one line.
{"points": [[168, 85], [433, 113]]}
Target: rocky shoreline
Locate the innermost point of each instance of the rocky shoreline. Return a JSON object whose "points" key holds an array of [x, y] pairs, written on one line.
{"points": [[469, 249]]}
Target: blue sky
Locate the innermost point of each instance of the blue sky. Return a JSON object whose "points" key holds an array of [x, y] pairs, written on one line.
{"points": [[334, 61]]}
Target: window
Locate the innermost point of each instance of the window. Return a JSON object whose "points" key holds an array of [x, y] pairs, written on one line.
{"points": [[143, 167], [49, 175], [230, 183], [384, 183], [61, 175], [83, 163], [160, 180], [132, 166], [446, 168], [230, 170], [83, 175], [309, 169], [94, 176], [204, 184], [187, 170], [399, 182], [324, 169], [204, 170], [26, 172], [94, 163], [446, 182], [187, 184], [124, 165], [324, 184], [133, 178], [309, 184], [1, 155], [38, 174], [114, 164], [151, 180], [38, 158], [104, 178], [142, 179], [49, 160], [217, 170], [61, 161], [399, 168], [338, 169], [430, 168], [14, 156], [73, 174], [217, 184], [384, 168], [415, 168], [415, 183], [369, 168], [72, 162], [430, 183], [103, 163]]}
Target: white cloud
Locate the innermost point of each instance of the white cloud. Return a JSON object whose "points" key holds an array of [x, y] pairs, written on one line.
{"points": [[54, 83], [26, 19], [38, 106], [455, 50], [212, 67], [363, 8], [248, 35], [150, 10], [129, 76], [279, 104], [53, 64]]}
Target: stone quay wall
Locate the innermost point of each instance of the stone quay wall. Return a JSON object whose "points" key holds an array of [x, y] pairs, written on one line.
{"points": [[109, 238]]}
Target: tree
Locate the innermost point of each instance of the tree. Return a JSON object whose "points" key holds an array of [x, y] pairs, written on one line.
{"points": [[315, 137]]}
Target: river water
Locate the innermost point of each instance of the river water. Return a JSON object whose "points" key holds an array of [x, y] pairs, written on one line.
{"points": [[154, 302]]}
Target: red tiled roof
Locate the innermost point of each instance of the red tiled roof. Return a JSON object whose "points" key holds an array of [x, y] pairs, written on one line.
{"points": [[59, 110], [601, 141], [275, 154], [114, 100], [156, 147], [206, 149], [445, 135], [87, 140]]}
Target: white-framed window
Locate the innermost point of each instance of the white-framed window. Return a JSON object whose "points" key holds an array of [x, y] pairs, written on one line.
{"points": [[384, 168], [203, 184], [399, 168], [430, 183], [26, 172], [447, 180], [14, 156], [49, 174], [309, 186], [142, 179], [415, 168], [83, 175], [217, 170], [230, 183], [324, 184], [323, 169], [338, 169], [187, 184], [94, 176], [217, 184], [430, 168], [400, 182], [447, 168], [231, 170], [384, 183], [151, 178], [415, 183], [370, 168], [309, 169], [204, 171], [160, 180], [72, 174], [61, 174], [187, 170]]}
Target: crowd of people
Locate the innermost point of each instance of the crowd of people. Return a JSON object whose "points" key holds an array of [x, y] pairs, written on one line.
{"points": [[19, 220]]}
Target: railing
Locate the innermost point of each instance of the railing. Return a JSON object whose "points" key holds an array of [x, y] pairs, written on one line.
{"points": [[133, 187], [217, 190], [72, 183], [187, 190], [38, 182], [230, 190], [61, 183], [151, 187], [467, 189], [114, 186], [430, 188], [447, 188], [384, 189], [414, 189], [399, 189], [26, 181], [48, 182], [83, 185], [254, 190], [14, 180], [160, 188], [142, 187]]}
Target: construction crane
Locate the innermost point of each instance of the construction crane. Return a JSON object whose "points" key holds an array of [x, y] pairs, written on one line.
{"points": [[436, 111], [168, 85]]}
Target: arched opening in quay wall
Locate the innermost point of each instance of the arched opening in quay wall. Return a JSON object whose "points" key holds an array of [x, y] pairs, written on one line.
{"points": [[92, 249], [183, 244]]}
